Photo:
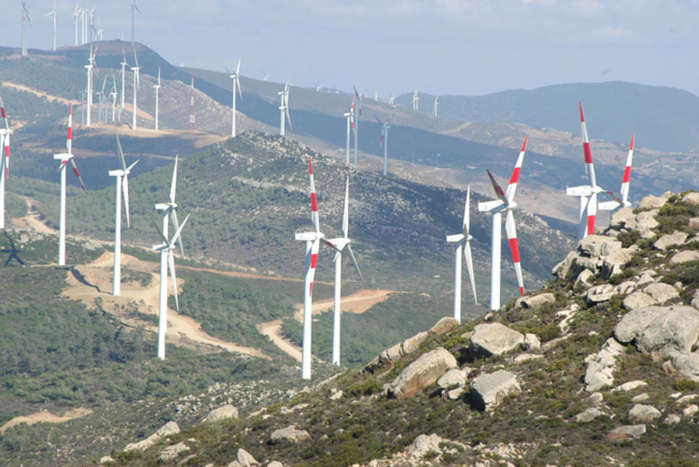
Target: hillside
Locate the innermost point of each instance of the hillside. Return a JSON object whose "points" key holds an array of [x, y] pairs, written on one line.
{"points": [[605, 375]]}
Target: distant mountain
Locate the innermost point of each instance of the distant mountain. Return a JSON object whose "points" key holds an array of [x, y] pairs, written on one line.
{"points": [[664, 118]]}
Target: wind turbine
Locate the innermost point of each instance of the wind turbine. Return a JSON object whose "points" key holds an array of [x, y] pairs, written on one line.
{"points": [[114, 95], [504, 203], [136, 85], [350, 124], [26, 22], [76, 15], [358, 97], [90, 65], [101, 112], [236, 85], [435, 107], [416, 101], [64, 158], [384, 140], [463, 247], [123, 81], [284, 109], [53, 13], [166, 256], [122, 189], [167, 209], [5, 164], [341, 244], [157, 96], [625, 185], [134, 9]]}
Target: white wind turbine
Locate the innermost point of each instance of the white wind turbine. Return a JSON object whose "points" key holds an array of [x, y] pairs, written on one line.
{"points": [[350, 124], [26, 22], [90, 65], [357, 120], [76, 15], [167, 209], [236, 85], [506, 203], [134, 9], [53, 13], [435, 107], [341, 244], [166, 256], [5, 164], [284, 109], [64, 158], [114, 95], [416, 101], [136, 84], [157, 96], [384, 141], [463, 247], [123, 83], [122, 189]]}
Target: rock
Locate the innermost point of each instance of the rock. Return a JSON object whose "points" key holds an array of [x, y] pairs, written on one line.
{"points": [[106, 459], [687, 365], [691, 198], [652, 202], [584, 277], [672, 419], [337, 395], [453, 378], [670, 240], [170, 428], [489, 390], [695, 299], [694, 224], [600, 293], [665, 329], [589, 415], [685, 399], [524, 357], [621, 217], [614, 263], [646, 220], [631, 385], [444, 326], [455, 393], [661, 292], [593, 246], [580, 263], [245, 459], [641, 397], [172, 452], [638, 300], [626, 432], [690, 410], [646, 278], [494, 339], [423, 372], [411, 344], [531, 342], [289, 434], [596, 398], [685, 256], [275, 464], [424, 444], [644, 413], [535, 300], [562, 269], [394, 353], [601, 366], [222, 413]]}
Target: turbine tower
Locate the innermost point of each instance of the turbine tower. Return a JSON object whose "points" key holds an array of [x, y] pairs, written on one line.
{"points": [[312, 240], [157, 98], [350, 124], [236, 85], [284, 109], [435, 107], [53, 13], [123, 83], [64, 158], [90, 65], [26, 22], [463, 247], [192, 116], [357, 119], [416, 101], [136, 84], [5, 156], [122, 189], [134, 9], [341, 244], [114, 95], [504, 203], [76, 15], [167, 209], [384, 141]]}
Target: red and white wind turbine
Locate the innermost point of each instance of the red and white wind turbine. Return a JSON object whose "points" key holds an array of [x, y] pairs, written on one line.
{"points": [[284, 109], [136, 84], [384, 140], [64, 158], [236, 86], [157, 96], [463, 247], [625, 185], [122, 189], [341, 244], [5, 156], [504, 203]]}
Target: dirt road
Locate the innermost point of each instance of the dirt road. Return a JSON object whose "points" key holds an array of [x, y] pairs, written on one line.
{"points": [[45, 417]]}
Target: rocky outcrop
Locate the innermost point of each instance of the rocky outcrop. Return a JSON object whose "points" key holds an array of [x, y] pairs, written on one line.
{"points": [[670, 240], [494, 339], [172, 452], [489, 390], [222, 413], [638, 300], [667, 330], [687, 365], [423, 372], [535, 300], [444, 326], [654, 202], [600, 293], [453, 378], [290, 434], [644, 413], [661, 293], [626, 432], [170, 428], [685, 256], [600, 368]]}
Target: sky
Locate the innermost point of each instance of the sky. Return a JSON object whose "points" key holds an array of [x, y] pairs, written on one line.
{"points": [[391, 47]]}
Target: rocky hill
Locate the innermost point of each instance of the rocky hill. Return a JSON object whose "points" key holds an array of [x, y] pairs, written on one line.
{"points": [[600, 367]]}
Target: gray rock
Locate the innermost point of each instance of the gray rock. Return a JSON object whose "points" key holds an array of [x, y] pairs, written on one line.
{"points": [[685, 399], [170, 428], [580, 263], [444, 326], [524, 357], [172, 452], [423, 372], [593, 246], [453, 378], [694, 223], [672, 419], [687, 365], [653, 202], [245, 459], [596, 398], [562, 269], [455, 393], [695, 299], [690, 410], [489, 390], [644, 413], [621, 217], [646, 220], [614, 263], [641, 397], [625, 287], [638, 300], [645, 279], [600, 293], [535, 300], [631, 385], [289, 434], [670, 240], [424, 444], [589, 415], [494, 339], [531, 342], [411, 344], [584, 277], [626, 432], [600, 369], [692, 197], [394, 353], [661, 292], [222, 413], [685, 256], [664, 329]]}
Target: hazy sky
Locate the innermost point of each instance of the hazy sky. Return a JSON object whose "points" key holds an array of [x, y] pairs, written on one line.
{"points": [[467, 47]]}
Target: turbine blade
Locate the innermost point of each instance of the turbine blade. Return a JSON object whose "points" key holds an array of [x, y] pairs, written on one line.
{"points": [[512, 187], [77, 174], [121, 154], [4, 114], [589, 165], [468, 256], [498, 190], [354, 261], [173, 185], [160, 232], [125, 193], [171, 266], [314, 199], [514, 247], [177, 225], [626, 181], [345, 212], [467, 213]]}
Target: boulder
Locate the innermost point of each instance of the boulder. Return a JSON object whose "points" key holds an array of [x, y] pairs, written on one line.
{"points": [[395, 352], [621, 217], [626, 432], [600, 293], [534, 300], [646, 220], [423, 372], [589, 415], [584, 277], [411, 344], [222, 413], [245, 459], [424, 444], [562, 269], [695, 299], [663, 329], [644, 413], [685, 399], [685, 257], [631, 385], [661, 292], [625, 287], [494, 339], [614, 263], [453, 378], [289, 434], [687, 365], [638, 300], [670, 240], [600, 368], [170, 428], [653, 202], [531, 342], [672, 419], [690, 410], [641, 397], [275, 464], [593, 246], [444, 326], [691, 198], [172, 452], [694, 224], [489, 390]]}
